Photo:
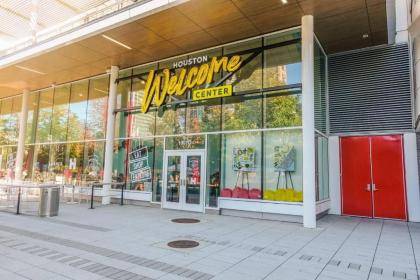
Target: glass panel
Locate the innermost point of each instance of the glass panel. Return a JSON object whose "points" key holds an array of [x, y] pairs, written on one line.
{"points": [[204, 117], [170, 121], [320, 99], [282, 110], [57, 162], [32, 118], [185, 142], [41, 161], [157, 170], [74, 163], [7, 163], [43, 131], [241, 165], [28, 161], [213, 169], [193, 179], [282, 65], [173, 176], [94, 161], [249, 76], [283, 165], [242, 112], [123, 95], [60, 113], [140, 164], [97, 108], [77, 111], [119, 160], [322, 167]]}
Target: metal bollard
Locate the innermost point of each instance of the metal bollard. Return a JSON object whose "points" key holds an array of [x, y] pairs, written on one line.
{"points": [[18, 203], [91, 197], [122, 194]]}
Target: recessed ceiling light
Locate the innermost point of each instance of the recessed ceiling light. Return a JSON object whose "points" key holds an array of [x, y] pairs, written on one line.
{"points": [[116, 42], [30, 69], [365, 36], [284, 1]]}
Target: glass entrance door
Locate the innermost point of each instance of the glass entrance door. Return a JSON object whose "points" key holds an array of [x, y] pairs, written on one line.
{"points": [[184, 180]]}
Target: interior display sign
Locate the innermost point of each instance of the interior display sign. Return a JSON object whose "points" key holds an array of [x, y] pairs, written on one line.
{"points": [[159, 85], [214, 92], [284, 158], [244, 159], [139, 165]]}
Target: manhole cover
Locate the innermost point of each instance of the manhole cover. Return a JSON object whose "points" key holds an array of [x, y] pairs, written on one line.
{"points": [[183, 244], [185, 221]]}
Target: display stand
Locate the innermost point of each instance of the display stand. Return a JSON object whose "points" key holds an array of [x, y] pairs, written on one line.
{"points": [[285, 179], [244, 174]]}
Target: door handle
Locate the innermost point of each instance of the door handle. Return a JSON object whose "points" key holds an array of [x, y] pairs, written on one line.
{"points": [[374, 188], [368, 188]]}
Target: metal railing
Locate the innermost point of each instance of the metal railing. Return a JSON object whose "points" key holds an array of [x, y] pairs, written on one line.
{"points": [[29, 199], [70, 25]]}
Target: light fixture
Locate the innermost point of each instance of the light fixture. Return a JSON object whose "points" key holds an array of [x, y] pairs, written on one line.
{"points": [[284, 2], [116, 42], [364, 36], [30, 70], [101, 90]]}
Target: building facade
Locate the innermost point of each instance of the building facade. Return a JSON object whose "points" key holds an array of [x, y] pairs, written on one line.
{"points": [[270, 126]]}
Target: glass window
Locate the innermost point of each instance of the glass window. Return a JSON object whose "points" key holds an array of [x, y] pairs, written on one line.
{"points": [[97, 108], [283, 165], [74, 163], [320, 99], [7, 163], [119, 161], [282, 65], [41, 161], [213, 169], [60, 113], [321, 169], [185, 142], [28, 161], [282, 110], [9, 120], [170, 120], [43, 131], [242, 112], [123, 94], [93, 165], [241, 165], [158, 169], [140, 164], [77, 111], [32, 118], [57, 161], [204, 116], [249, 76]]}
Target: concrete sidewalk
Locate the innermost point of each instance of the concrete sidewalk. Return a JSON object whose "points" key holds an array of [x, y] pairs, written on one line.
{"points": [[130, 242]]}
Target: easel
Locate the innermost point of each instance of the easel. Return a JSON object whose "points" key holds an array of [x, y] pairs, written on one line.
{"points": [[285, 179], [243, 173]]}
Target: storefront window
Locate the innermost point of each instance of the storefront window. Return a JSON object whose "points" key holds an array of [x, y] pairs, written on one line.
{"points": [[241, 165], [9, 120], [204, 117], [57, 163], [158, 169], [7, 163], [28, 160], [41, 161], [283, 165], [242, 112], [60, 113], [321, 169], [141, 125], [73, 172], [282, 65], [123, 94], [140, 164], [77, 111], [119, 161], [185, 142], [97, 108], [282, 109], [320, 93], [93, 165], [213, 169], [32, 118], [249, 76], [170, 120], [43, 131]]}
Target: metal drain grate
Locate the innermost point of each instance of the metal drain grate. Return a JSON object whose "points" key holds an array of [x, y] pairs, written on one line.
{"points": [[183, 244], [185, 221]]}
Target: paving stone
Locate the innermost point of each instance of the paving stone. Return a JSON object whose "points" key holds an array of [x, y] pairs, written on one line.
{"points": [[376, 270]]}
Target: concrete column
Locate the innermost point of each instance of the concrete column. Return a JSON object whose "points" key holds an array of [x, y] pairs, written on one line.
{"points": [[308, 116], [402, 12], [21, 137], [110, 125]]}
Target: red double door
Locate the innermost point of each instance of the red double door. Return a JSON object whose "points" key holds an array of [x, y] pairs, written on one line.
{"points": [[372, 176]]}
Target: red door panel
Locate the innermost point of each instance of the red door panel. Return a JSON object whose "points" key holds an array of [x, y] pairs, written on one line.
{"points": [[355, 176], [388, 177]]}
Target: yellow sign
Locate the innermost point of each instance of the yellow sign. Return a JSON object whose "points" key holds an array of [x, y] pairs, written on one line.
{"points": [[158, 86], [214, 92]]}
